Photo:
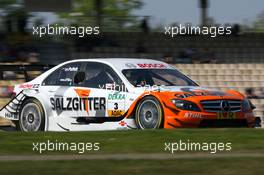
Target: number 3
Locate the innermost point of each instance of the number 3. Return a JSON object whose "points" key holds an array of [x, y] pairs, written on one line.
{"points": [[116, 106]]}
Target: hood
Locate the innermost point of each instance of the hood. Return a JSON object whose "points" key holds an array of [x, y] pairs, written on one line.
{"points": [[198, 93]]}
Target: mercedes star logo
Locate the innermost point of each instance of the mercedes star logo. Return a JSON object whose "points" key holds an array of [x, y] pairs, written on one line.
{"points": [[225, 106]]}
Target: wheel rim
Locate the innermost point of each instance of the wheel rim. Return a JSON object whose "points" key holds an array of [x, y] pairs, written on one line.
{"points": [[30, 117], [148, 115]]}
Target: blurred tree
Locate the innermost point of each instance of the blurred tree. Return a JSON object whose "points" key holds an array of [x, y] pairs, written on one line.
{"points": [[104, 13], [5, 3], [14, 16], [19, 17]]}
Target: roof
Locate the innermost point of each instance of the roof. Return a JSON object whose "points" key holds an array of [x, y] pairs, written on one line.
{"points": [[129, 63]]}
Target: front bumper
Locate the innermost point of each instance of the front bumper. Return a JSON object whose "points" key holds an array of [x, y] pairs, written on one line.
{"points": [[192, 119]]}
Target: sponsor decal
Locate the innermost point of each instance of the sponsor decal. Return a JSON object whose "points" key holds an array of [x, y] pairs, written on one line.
{"points": [[29, 86], [116, 96], [71, 69], [188, 92], [82, 103], [8, 115], [65, 80], [115, 113], [122, 123], [130, 65], [185, 95], [192, 115], [83, 93], [149, 65], [226, 115], [145, 65], [76, 103]]}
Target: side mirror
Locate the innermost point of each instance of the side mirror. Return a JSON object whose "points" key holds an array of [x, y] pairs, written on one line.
{"points": [[79, 77]]}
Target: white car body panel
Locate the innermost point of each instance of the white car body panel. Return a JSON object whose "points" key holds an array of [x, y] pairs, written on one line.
{"points": [[65, 120]]}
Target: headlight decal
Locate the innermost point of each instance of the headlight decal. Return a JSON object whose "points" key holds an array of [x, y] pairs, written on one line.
{"points": [[185, 105]]}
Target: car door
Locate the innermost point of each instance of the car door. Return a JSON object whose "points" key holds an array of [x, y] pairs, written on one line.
{"points": [[102, 91], [61, 95]]}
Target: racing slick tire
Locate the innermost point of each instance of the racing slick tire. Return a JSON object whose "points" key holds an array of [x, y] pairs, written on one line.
{"points": [[149, 114], [31, 116]]}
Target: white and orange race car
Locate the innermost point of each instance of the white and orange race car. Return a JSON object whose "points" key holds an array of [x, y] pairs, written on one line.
{"points": [[108, 94]]}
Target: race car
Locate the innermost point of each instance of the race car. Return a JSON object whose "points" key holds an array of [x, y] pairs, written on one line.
{"points": [[120, 93]]}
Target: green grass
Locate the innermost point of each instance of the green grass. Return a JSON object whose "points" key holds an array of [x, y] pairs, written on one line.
{"points": [[111, 142], [221, 166], [243, 140]]}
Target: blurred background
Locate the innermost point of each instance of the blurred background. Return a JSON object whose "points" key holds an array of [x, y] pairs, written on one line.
{"points": [[135, 29]]}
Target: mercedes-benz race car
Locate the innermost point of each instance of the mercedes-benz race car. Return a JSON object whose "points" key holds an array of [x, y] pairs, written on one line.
{"points": [[108, 94]]}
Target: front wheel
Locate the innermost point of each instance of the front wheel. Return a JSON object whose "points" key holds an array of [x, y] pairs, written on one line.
{"points": [[149, 114], [31, 117]]}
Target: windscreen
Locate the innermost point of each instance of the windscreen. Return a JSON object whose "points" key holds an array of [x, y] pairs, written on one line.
{"points": [[159, 77]]}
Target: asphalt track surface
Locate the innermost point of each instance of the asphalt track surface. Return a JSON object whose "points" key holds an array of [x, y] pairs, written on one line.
{"points": [[154, 156]]}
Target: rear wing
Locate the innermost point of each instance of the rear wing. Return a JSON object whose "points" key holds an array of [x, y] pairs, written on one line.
{"points": [[19, 69], [18, 73]]}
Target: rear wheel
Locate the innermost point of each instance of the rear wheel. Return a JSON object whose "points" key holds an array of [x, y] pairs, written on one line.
{"points": [[149, 114], [31, 117]]}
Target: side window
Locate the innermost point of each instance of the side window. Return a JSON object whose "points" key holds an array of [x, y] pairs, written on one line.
{"points": [[63, 76], [99, 75]]}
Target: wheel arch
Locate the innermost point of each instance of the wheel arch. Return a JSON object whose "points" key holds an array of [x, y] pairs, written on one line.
{"points": [[133, 107]]}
